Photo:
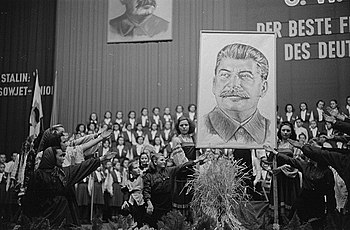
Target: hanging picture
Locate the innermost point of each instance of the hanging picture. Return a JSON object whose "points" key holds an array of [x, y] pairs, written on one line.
{"points": [[139, 20]]}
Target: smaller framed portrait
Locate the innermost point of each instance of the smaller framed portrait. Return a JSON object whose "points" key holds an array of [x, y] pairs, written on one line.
{"points": [[139, 20]]}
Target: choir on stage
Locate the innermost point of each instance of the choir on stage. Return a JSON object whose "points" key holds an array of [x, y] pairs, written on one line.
{"points": [[139, 164]]}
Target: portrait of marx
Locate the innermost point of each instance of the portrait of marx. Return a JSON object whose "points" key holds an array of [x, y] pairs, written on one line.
{"points": [[138, 22], [240, 81]]}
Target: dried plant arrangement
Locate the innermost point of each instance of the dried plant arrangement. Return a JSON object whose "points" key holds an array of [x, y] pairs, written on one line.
{"points": [[219, 191]]}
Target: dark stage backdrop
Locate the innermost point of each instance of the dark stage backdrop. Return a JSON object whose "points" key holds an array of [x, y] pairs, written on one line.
{"points": [[312, 54], [27, 43]]}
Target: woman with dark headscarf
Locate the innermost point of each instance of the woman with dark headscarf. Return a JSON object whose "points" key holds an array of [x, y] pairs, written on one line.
{"points": [[52, 188]]}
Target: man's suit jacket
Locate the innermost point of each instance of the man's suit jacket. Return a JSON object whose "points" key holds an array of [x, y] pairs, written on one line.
{"points": [[152, 26]]}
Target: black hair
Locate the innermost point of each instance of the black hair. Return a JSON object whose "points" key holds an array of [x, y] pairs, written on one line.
{"points": [[155, 108], [106, 113], [78, 126], [319, 102], [131, 111], [191, 124], [293, 135], [190, 105], [285, 108], [179, 106], [304, 104], [91, 115]]}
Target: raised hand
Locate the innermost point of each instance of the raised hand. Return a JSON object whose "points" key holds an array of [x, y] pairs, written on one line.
{"points": [[106, 133], [332, 112], [108, 156], [150, 207], [295, 144], [330, 119]]}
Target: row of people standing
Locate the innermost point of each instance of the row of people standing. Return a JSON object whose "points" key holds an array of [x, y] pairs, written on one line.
{"points": [[306, 115], [145, 119]]}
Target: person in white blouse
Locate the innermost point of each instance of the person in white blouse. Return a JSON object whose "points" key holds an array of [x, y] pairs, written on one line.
{"points": [[317, 114], [132, 119], [299, 129], [192, 109], [155, 118], [304, 114]]}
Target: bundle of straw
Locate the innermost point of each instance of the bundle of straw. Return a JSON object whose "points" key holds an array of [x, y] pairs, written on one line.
{"points": [[219, 191]]}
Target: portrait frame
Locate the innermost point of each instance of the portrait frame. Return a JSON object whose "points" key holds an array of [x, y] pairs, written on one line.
{"points": [[213, 122], [158, 29]]}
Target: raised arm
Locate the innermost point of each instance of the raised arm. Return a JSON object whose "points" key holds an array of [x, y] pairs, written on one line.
{"points": [[284, 159], [332, 158], [104, 135], [76, 173]]}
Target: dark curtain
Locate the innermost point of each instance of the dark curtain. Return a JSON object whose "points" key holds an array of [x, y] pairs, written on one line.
{"points": [[96, 76], [27, 43]]}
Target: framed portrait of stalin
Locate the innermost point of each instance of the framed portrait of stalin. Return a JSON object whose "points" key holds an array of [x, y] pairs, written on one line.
{"points": [[139, 20], [236, 90]]}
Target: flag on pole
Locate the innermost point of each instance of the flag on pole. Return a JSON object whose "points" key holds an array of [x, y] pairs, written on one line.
{"points": [[36, 113]]}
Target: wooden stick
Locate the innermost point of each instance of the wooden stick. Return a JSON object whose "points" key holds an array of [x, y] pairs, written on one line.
{"points": [[92, 197], [275, 196]]}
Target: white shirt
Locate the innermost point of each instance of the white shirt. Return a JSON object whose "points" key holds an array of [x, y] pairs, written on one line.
{"points": [[153, 134], [157, 148], [104, 151], [320, 114], [166, 133], [8, 166], [139, 133], [143, 120], [139, 149], [119, 121], [156, 119], [132, 122], [167, 117], [314, 131], [329, 132], [116, 134], [303, 115], [120, 148], [191, 115], [178, 115], [129, 134], [1, 175], [289, 115]]}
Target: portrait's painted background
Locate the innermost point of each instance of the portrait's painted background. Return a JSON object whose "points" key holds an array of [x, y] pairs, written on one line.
{"points": [[211, 43], [68, 39], [164, 10]]}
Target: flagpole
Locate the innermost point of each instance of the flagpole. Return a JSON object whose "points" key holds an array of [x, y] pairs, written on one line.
{"points": [[92, 197], [275, 196]]}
